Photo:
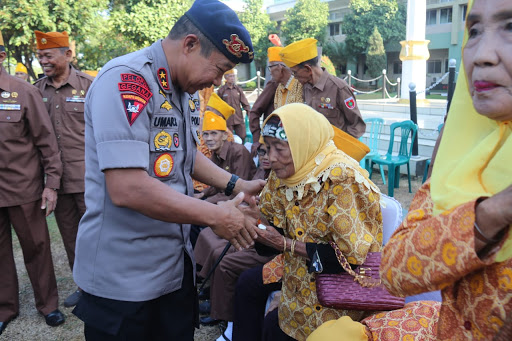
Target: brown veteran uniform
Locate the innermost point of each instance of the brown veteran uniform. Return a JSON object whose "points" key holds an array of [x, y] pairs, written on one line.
{"points": [[28, 151], [332, 97], [235, 97], [65, 105], [264, 105], [235, 159]]}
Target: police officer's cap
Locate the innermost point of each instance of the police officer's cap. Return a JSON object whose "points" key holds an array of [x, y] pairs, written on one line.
{"points": [[221, 26]]}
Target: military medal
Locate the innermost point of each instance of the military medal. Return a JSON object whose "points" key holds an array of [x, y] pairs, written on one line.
{"points": [[5, 94]]}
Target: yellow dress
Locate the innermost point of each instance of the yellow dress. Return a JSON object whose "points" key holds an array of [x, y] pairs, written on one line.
{"points": [[343, 207]]}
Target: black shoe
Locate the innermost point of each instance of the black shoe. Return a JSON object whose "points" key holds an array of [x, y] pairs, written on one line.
{"points": [[73, 299], [204, 294], [208, 321], [3, 325], [55, 318], [205, 307]]}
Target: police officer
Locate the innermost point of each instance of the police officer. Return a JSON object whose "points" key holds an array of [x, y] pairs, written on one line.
{"points": [[327, 94], [28, 152], [64, 89], [134, 259]]}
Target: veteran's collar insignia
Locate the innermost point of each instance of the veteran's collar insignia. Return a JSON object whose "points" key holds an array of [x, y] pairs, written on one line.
{"points": [[163, 79], [163, 165], [236, 46]]}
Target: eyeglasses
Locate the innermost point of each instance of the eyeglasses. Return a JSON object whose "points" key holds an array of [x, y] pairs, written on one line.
{"points": [[271, 66], [262, 152]]}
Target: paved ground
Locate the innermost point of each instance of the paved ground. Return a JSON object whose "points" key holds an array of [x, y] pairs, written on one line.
{"points": [[30, 326]]}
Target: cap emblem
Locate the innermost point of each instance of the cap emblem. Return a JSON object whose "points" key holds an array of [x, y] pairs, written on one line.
{"points": [[44, 41], [235, 46]]}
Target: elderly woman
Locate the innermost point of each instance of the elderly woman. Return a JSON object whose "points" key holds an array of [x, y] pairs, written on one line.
{"points": [[315, 194], [456, 237]]}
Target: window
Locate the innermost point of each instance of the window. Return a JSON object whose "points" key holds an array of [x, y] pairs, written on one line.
{"points": [[464, 11], [433, 66], [334, 29], [431, 17], [446, 16], [397, 68]]}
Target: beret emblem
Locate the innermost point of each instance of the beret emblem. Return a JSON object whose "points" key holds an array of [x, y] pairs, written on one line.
{"points": [[235, 46], [44, 41]]}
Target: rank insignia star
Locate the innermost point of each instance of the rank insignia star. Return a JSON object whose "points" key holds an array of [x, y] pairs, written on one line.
{"points": [[163, 79]]}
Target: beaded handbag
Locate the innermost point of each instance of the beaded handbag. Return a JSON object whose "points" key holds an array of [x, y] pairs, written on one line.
{"points": [[356, 290]]}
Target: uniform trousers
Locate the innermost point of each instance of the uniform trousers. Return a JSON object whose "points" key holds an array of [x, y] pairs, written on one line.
{"points": [[250, 300], [29, 223], [70, 209], [239, 129], [171, 317]]}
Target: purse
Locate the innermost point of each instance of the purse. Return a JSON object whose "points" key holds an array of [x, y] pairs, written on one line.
{"points": [[356, 290]]}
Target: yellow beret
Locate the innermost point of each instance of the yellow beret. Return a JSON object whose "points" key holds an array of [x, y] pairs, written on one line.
{"points": [[273, 54], [215, 102], [21, 68], [229, 72], [212, 121], [349, 144], [51, 40], [343, 328], [299, 52]]}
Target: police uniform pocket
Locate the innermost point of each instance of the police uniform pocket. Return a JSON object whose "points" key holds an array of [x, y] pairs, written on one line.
{"points": [[12, 123], [165, 140]]}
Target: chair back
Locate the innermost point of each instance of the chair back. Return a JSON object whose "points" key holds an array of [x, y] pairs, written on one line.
{"points": [[392, 216], [406, 128], [375, 124], [440, 127]]}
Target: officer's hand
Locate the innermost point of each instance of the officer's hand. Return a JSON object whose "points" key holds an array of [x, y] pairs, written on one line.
{"points": [[250, 188], [252, 215], [49, 200], [231, 224]]}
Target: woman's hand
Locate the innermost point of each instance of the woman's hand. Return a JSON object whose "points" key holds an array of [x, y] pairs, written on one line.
{"points": [[270, 237], [251, 213]]}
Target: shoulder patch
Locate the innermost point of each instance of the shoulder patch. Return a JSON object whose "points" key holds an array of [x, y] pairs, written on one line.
{"points": [[350, 102], [133, 78], [162, 78], [133, 106]]}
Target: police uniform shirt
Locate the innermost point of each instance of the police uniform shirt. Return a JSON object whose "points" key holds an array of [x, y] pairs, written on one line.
{"points": [[28, 148], [135, 118], [66, 108], [235, 97], [332, 97]]}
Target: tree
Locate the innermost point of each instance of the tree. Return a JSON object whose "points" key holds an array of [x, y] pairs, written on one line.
{"points": [[376, 56], [307, 19], [337, 52], [259, 25], [387, 15], [20, 18]]}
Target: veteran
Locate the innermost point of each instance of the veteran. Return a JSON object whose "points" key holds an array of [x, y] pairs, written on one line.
{"points": [[289, 89], [327, 94], [64, 89], [21, 72], [28, 153], [134, 258]]}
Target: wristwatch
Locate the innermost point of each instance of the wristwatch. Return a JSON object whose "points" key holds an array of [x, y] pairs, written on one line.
{"points": [[231, 185]]}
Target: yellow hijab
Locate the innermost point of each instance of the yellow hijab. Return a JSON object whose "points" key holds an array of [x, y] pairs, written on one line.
{"points": [[310, 137], [474, 156]]}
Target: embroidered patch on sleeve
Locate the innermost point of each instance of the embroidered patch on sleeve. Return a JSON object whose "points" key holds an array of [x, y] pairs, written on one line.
{"points": [[133, 106], [133, 78], [135, 88], [162, 78], [350, 102], [163, 165]]}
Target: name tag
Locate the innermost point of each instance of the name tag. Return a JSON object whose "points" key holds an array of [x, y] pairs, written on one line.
{"points": [[75, 99], [10, 106]]}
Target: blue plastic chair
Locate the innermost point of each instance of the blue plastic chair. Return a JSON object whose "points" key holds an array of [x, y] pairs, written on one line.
{"points": [[407, 128], [375, 124], [427, 164]]}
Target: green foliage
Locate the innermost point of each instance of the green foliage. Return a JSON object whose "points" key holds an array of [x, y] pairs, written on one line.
{"points": [[249, 85], [307, 19], [376, 56], [337, 52], [326, 63], [389, 16], [259, 25], [145, 21], [20, 18]]}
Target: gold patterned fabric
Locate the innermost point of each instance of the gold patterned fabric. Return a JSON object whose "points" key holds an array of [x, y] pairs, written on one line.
{"points": [[430, 252], [289, 93], [342, 207]]}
